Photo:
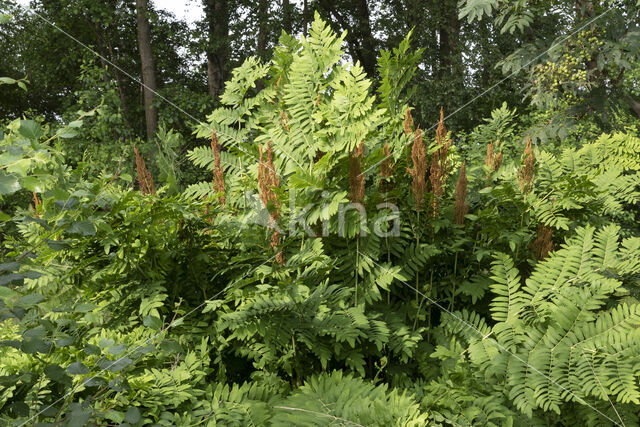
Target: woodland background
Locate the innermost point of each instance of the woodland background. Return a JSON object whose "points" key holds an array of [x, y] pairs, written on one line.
{"points": [[137, 286]]}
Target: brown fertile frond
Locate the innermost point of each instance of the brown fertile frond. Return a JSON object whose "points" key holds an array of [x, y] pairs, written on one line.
{"points": [[441, 130], [284, 120], [490, 156], [408, 122], [218, 173], [461, 207], [543, 244], [387, 165], [419, 171], [493, 160], [386, 170], [497, 161], [275, 242], [144, 176], [526, 172], [356, 177], [267, 181], [36, 203], [439, 169]]}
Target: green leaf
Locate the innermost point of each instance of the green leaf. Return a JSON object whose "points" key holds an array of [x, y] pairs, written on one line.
{"points": [[117, 349], [85, 308], [30, 300], [6, 293], [114, 365], [30, 129], [8, 184], [57, 374], [32, 183], [91, 349], [95, 382], [152, 322], [84, 228], [77, 368], [8, 278], [9, 266], [67, 133], [132, 416], [58, 245], [171, 346], [115, 416], [6, 80], [20, 168], [78, 417], [35, 345], [65, 342]]}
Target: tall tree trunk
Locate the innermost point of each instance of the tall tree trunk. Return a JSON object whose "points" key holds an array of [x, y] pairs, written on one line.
{"points": [[450, 65], [305, 18], [287, 16], [362, 45], [148, 66], [217, 15], [366, 51], [449, 48], [263, 28]]}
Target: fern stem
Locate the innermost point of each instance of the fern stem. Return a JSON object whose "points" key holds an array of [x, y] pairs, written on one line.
{"points": [[386, 240], [453, 291], [417, 271], [424, 298], [357, 264]]}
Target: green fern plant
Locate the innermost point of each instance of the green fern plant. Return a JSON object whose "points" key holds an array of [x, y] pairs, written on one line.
{"points": [[563, 336]]}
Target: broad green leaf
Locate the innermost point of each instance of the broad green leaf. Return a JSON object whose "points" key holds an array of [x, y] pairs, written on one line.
{"points": [[65, 342], [79, 417], [114, 365], [35, 345], [132, 416], [6, 293], [67, 133], [117, 349], [30, 300], [8, 278], [57, 374], [84, 228], [32, 183], [21, 167], [8, 184], [92, 349], [77, 368], [6, 80], [95, 382], [152, 322], [115, 416], [9, 266], [30, 129]]}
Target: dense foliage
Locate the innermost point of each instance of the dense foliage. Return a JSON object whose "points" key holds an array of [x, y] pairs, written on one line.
{"points": [[334, 264]]}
